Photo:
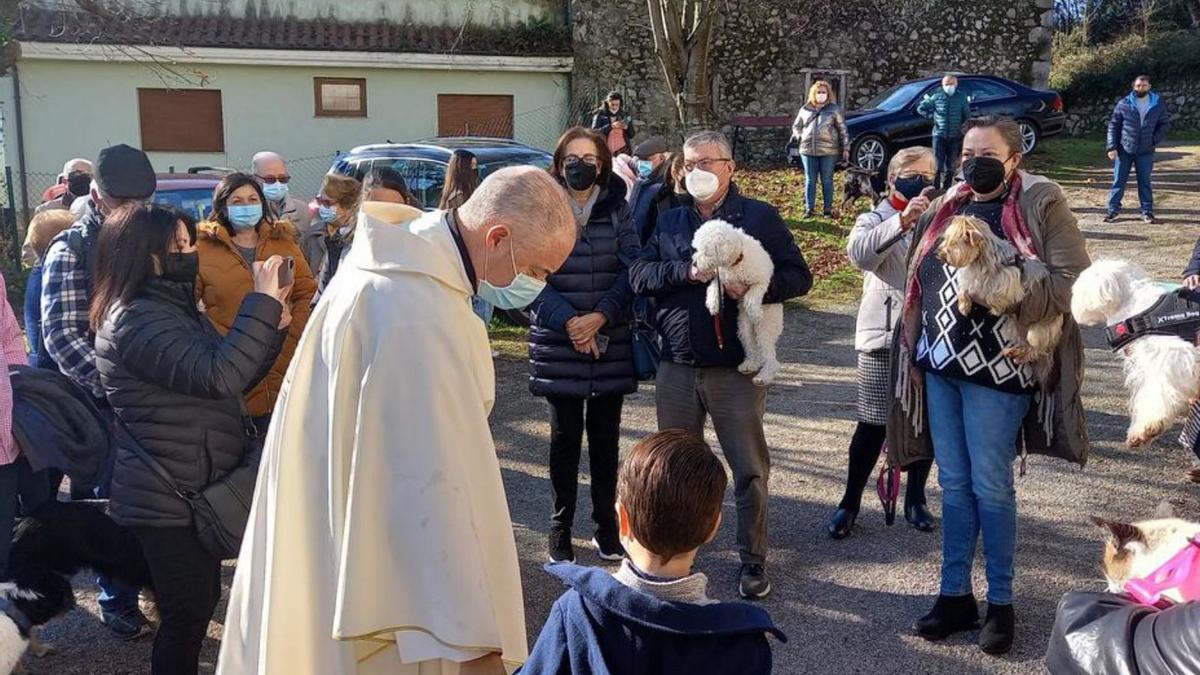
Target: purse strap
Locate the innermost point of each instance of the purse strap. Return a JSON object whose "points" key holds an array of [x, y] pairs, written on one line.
{"points": [[159, 471]]}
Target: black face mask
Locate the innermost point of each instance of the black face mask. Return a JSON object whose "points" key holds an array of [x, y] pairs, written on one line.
{"points": [[182, 268], [985, 175], [912, 186], [581, 176], [79, 183]]}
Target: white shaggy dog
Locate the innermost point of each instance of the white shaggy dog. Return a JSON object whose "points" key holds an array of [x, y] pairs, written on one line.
{"points": [[1162, 372], [739, 259]]}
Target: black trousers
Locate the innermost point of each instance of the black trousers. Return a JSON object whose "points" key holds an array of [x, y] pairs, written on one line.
{"points": [[569, 418], [187, 583], [865, 447]]}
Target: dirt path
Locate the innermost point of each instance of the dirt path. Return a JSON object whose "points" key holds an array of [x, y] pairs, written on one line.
{"points": [[847, 606]]}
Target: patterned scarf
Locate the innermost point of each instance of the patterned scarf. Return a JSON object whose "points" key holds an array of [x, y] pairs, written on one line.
{"points": [[909, 385]]}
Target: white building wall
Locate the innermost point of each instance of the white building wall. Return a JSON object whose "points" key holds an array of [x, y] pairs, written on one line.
{"points": [[75, 108]]}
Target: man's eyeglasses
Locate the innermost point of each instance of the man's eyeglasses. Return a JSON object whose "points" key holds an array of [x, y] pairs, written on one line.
{"points": [[283, 178], [705, 164], [572, 160]]}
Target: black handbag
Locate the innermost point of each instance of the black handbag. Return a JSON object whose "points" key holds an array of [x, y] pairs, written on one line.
{"points": [[220, 510], [647, 345]]}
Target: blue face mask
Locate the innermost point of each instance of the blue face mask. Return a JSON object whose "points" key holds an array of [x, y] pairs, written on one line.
{"points": [[276, 192], [518, 294], [326, 214], [645, 167], [244, 216]]}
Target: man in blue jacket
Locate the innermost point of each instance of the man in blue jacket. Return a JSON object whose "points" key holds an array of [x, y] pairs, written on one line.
{"points": [[1138, 125], [698, 376]]}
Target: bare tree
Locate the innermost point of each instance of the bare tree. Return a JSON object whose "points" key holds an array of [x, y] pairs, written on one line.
{"points": [[683, 32]]}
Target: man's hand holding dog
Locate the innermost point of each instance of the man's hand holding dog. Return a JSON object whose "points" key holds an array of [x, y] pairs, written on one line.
{"points": [[1192, 282], [917, 206], [699, 276]]}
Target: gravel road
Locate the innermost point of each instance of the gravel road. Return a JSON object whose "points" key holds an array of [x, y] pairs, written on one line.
{"points": [[846, 606]]}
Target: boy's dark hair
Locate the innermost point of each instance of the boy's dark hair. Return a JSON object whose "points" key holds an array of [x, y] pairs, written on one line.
{"points": [[672, 486]]}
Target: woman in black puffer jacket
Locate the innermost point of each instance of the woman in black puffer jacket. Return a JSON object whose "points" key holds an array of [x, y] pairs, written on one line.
{"points": [[177, 386], [580, 347]]}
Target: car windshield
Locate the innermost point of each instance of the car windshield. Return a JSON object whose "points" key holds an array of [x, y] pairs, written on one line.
{"points": [[196, 202], [897, 97]]}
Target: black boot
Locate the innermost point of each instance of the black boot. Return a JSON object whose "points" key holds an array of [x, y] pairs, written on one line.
{"points": [[841, 523], [950, 614], [919, 517], [999, 626]]}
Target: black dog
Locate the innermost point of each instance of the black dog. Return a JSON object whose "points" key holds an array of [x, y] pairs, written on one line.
{"points": [[857, 184], [32, 598], [67, 537]]}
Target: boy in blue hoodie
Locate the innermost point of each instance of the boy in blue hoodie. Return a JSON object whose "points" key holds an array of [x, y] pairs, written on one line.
{"points": [[654, 614]]}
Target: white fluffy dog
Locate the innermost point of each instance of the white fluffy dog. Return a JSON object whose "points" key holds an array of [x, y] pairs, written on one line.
{"points": [[739, 259], [1162, 372]]}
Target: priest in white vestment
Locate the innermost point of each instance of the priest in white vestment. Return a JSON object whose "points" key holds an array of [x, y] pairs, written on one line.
{"points": [[379, 540]]}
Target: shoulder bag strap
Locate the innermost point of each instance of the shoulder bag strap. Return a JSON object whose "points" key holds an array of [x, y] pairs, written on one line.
{"points": [[155, 468]]}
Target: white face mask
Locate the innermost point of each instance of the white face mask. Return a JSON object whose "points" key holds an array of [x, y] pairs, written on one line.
{"points": [[702, 185], [949, 89], [822, 97]]}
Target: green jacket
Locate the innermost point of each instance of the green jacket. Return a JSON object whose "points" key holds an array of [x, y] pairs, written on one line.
{"points": [[947, 112], [1061, 246]]}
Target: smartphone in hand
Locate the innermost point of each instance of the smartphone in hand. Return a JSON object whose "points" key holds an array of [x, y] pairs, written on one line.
{"points": [[602, 342], [287, 272]]}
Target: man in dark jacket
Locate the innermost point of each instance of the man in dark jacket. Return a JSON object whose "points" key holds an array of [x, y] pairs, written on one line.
{"points": [[615, 124], [1139, 124], [698, 376], [1109, 633], [948, 107]]}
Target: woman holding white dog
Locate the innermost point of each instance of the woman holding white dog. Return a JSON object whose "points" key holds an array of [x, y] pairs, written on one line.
{"points": [[580, 346], [961, 398], [910, 177]]}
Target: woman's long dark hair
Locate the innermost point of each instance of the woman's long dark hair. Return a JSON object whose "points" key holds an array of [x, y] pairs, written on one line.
{"points": [[387, 178], [224, 191], [133, 238], [461, 179]]}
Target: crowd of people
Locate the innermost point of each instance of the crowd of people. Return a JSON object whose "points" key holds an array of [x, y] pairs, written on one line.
{"points": [[261, 361]]}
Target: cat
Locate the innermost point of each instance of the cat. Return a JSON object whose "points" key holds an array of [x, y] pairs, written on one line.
{"points": [[1134, 550]]}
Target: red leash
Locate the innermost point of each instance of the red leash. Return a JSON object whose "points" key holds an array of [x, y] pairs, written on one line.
{"points": [[717, 316]]}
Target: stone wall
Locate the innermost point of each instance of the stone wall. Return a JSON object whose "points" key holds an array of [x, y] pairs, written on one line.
{"points": [[1182, 99], [766, 51]]}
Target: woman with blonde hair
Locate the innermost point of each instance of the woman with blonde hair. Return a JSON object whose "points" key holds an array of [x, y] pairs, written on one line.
{"points": [[44, 227], [820, 127]]}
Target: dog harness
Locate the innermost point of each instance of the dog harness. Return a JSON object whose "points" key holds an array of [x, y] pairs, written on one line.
{"points": [[1176, 313], [24, 625]]}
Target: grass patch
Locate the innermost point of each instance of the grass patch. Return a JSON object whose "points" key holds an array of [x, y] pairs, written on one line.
{"points": [[1066, 158]]}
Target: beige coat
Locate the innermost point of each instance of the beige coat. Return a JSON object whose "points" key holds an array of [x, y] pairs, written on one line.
{"points": [[379, 539], [1062, 248]]}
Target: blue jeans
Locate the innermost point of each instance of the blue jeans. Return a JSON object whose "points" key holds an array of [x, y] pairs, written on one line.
{"points": [[946, 151], [483, 309], [974, 430], [813, 166], [1144, 164]]}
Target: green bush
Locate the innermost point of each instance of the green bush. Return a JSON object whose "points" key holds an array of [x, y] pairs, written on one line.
{"points": [[1082, 73]]}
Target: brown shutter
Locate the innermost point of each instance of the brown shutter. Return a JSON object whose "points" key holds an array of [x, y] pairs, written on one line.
{"points": [[475, 115], [181, 120]]}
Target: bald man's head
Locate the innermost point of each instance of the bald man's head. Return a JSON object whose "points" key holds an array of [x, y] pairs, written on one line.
{"points": [[520, 213]]}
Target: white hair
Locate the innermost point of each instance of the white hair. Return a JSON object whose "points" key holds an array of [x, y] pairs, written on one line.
{"points": [[703, 138], [525, 198], [265, 156], [907, 157], [70, 163]]}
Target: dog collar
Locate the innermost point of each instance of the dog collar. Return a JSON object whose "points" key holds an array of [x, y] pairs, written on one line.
{"points": [[24, 625], [739, 260]]}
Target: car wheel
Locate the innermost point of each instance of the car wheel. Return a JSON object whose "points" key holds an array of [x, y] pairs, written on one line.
{"points": [[1031, 135], [870, 152], [514, 317]]}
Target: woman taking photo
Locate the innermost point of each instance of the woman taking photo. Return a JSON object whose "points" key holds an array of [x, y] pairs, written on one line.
{"points": [[462, 177], [910, 172], [580, 348], [241, 234], [615, 125], [175, 385], [820, 127], [961, 399]]}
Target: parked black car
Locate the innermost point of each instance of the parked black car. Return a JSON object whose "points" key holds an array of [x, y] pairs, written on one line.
{"points": [[890, 120]]}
